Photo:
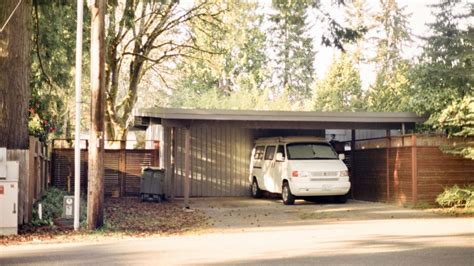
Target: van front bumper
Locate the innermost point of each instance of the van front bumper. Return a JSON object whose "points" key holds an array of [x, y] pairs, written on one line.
{"points": [[335, 188]]}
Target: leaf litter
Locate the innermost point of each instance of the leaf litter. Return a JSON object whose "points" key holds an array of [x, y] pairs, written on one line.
{"points": [[123, 217]]}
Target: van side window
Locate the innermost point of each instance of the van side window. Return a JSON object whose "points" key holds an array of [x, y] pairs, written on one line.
{"points": [[270, 152], [281, 149], [259, 152]]}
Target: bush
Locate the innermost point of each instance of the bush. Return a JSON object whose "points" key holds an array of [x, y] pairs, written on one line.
{"points": [[52, 205], [456, 197]]}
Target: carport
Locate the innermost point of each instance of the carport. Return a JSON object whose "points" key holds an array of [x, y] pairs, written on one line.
{"points": [[207, 152]]}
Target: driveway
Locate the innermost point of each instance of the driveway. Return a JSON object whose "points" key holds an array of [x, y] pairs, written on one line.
{"points": [[247, 213], [264, 232]]}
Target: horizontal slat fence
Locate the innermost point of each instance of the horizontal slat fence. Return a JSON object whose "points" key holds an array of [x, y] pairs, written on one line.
{"points": [[122, 170], [414, 166]]}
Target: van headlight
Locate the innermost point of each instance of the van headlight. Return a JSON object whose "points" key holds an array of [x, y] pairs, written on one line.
{"points": [[344, 173]]}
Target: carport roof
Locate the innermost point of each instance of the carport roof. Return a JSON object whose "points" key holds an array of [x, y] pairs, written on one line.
{"points": [[275, 119]]}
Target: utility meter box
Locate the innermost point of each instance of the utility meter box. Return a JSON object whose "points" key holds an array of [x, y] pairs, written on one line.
{"points": [[68, 207], [9, 171]]}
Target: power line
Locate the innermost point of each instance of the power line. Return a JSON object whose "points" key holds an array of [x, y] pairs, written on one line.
{"points": [[11, 15]]}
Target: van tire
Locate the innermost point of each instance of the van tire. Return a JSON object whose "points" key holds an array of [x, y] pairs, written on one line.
{"points": [[286, 195], [255, 190], [341, 199]]}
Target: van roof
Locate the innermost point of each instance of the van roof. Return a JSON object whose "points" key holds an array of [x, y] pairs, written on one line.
{"points": [[289, 139]]}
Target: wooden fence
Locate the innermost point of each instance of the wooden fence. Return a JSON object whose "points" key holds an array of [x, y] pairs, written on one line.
{"points": [[408, 169], [122, 169], [34, 176]]}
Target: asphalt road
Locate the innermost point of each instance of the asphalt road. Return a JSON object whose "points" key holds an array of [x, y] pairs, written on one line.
{"points": [[426, 241]]}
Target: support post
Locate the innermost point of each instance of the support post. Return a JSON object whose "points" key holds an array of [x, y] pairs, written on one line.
{"points": [[95, 197], [414, 171], [353, 139], [174, 148], [187, 165], [77, 143], [165, 158], [387, 149]]}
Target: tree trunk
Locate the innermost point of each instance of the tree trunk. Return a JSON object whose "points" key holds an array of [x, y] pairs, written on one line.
{"points": [[15, 61], [95, 199]]}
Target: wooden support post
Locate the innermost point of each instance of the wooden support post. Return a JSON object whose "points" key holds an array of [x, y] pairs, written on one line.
{"points": [[387, 149], [353, 167], [414, 171], [187, 166], [174, 149], [165, 148]]}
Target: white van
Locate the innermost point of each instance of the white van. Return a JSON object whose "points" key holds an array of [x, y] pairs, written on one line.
{"points": [[298, 167]]}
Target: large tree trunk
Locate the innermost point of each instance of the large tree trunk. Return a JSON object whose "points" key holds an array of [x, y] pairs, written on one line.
{"points": [[95, 199], [15, 42]]}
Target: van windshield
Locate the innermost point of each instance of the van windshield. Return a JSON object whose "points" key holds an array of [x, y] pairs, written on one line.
{"points": [[310, 151]]}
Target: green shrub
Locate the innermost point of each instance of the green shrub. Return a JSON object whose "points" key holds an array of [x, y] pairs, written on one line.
{"points": [[52, 206], [456, 197]]}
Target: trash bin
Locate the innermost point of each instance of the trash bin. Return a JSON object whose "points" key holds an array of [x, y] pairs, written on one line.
{"points": [[152, 184]]}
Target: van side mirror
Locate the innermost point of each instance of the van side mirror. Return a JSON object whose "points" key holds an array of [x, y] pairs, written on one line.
{"points": [[279, 157], [342, 156]]}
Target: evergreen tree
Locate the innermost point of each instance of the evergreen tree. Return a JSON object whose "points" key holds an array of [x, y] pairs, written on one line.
{"points": [[444, 79], [445, 70], [340, 90], [358, 17], [391, 82], [294, 55]]}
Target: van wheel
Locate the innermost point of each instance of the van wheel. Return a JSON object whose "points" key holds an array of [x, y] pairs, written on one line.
{"points": [[255, 190], [341, 199], [286, 196]]}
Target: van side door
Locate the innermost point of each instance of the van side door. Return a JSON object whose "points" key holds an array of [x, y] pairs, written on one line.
{"points": [[257, 164], [268, 161], [278, 169]]}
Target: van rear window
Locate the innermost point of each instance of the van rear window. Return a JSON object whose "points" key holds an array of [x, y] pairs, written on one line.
{"points": [[310, 151], [259, 150]]}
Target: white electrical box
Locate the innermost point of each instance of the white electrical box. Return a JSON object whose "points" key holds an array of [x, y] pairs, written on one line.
{"points": [[3, 163], [9, 197]]}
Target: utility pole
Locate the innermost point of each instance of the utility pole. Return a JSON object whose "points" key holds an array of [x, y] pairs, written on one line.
{"points": [[95, 195], [77, 142]]}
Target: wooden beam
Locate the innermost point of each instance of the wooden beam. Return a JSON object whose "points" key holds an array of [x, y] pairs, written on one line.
{"points": [[414, 170], [187, 166]]}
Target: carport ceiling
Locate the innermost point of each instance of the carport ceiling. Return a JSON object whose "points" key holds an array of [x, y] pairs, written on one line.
{"points": [[171, 117]]}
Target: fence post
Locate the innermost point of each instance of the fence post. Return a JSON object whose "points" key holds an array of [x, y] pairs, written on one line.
{"points": [[122, 168], [414, 170]]}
